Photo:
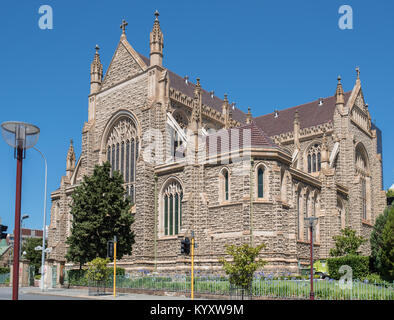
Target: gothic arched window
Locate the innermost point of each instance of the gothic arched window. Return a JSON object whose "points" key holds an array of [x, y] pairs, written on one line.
{"points": [[260, 183], [300, 216], [172, 208], [314, 158], [362, 171], [122, 153]]}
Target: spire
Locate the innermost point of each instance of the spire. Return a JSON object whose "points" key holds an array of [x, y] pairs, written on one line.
{"points": [[339, 92], [96, 72], [70, 162], [156, 43]]}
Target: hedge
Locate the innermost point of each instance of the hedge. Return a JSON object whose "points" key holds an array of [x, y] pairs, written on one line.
{"points": [[4, 270], [359, 265]]}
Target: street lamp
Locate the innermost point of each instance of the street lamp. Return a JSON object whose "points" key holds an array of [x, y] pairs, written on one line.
{"points": [[311, 222], [21, 136], [44, 224]]}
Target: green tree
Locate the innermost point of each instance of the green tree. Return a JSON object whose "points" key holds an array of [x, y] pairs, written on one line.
{"points": [[346, 243], [387, 257], [99, 211], [243, 265], [376, 242], [33, 256]]}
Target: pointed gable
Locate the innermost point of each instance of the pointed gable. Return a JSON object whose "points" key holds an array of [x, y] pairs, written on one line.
{"points": [[125, 64]]}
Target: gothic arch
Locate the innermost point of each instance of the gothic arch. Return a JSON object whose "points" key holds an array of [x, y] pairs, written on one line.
{"points": [[120, 147], [261, 188], [362, 159], [312, 157], [170, 207], [181, 118], [110, 125], [363, 173]]}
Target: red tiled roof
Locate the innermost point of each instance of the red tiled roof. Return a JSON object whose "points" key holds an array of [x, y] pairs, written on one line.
{"points": [[179, 83], [310, 114]]}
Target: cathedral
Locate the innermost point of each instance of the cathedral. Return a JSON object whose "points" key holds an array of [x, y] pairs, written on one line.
{"points": [[193, 163]]}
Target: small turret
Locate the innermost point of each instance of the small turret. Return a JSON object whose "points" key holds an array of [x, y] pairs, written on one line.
{"points": [[339, 95], [70, 162], [96, 73], [156, 43]]}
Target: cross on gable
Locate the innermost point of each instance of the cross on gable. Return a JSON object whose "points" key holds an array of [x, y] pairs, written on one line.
{"points": [[123, 26]]}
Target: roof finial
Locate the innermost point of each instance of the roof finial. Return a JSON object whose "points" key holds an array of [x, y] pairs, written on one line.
{"points": [[157, 15], [358, 73], [97, 48], [123, 26]]}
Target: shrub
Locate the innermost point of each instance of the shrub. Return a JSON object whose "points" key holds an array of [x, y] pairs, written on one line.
{"points": [[4, 270], [77, 277], [97, 270], [359, 265], [119, 271]]}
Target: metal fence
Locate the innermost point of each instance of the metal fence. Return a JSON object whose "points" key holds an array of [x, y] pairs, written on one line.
{"points": [[4, 278], [326, 289]]}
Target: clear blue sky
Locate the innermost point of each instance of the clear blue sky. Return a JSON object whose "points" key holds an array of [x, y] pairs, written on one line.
{"points": [[264, 54]]}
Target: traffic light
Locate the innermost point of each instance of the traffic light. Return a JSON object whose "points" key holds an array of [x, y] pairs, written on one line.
{"points": [[3, 229], [110, 249], [185, 246]]}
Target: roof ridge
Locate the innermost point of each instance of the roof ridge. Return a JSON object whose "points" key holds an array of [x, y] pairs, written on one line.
{"points": [[301, 105]]}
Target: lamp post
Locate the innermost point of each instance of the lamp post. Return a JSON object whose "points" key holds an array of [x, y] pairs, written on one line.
{"points": [[44, 224], [20, 136], [311, 222]]}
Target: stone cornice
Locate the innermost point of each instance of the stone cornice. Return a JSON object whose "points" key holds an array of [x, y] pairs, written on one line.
{"points": [[305, 134]]}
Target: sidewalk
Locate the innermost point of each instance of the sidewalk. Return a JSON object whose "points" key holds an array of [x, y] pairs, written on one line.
{"points": [[83, 294]]}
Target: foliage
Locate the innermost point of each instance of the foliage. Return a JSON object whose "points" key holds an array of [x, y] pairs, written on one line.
{"points": [[100, 211], [77, 277], [372, 278], [4, 270], [244, 264], [359, 265], [119, 271], [387, 257], [376, 242], [97, 270], [34, 256], [390, 193], [346, 243]]}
